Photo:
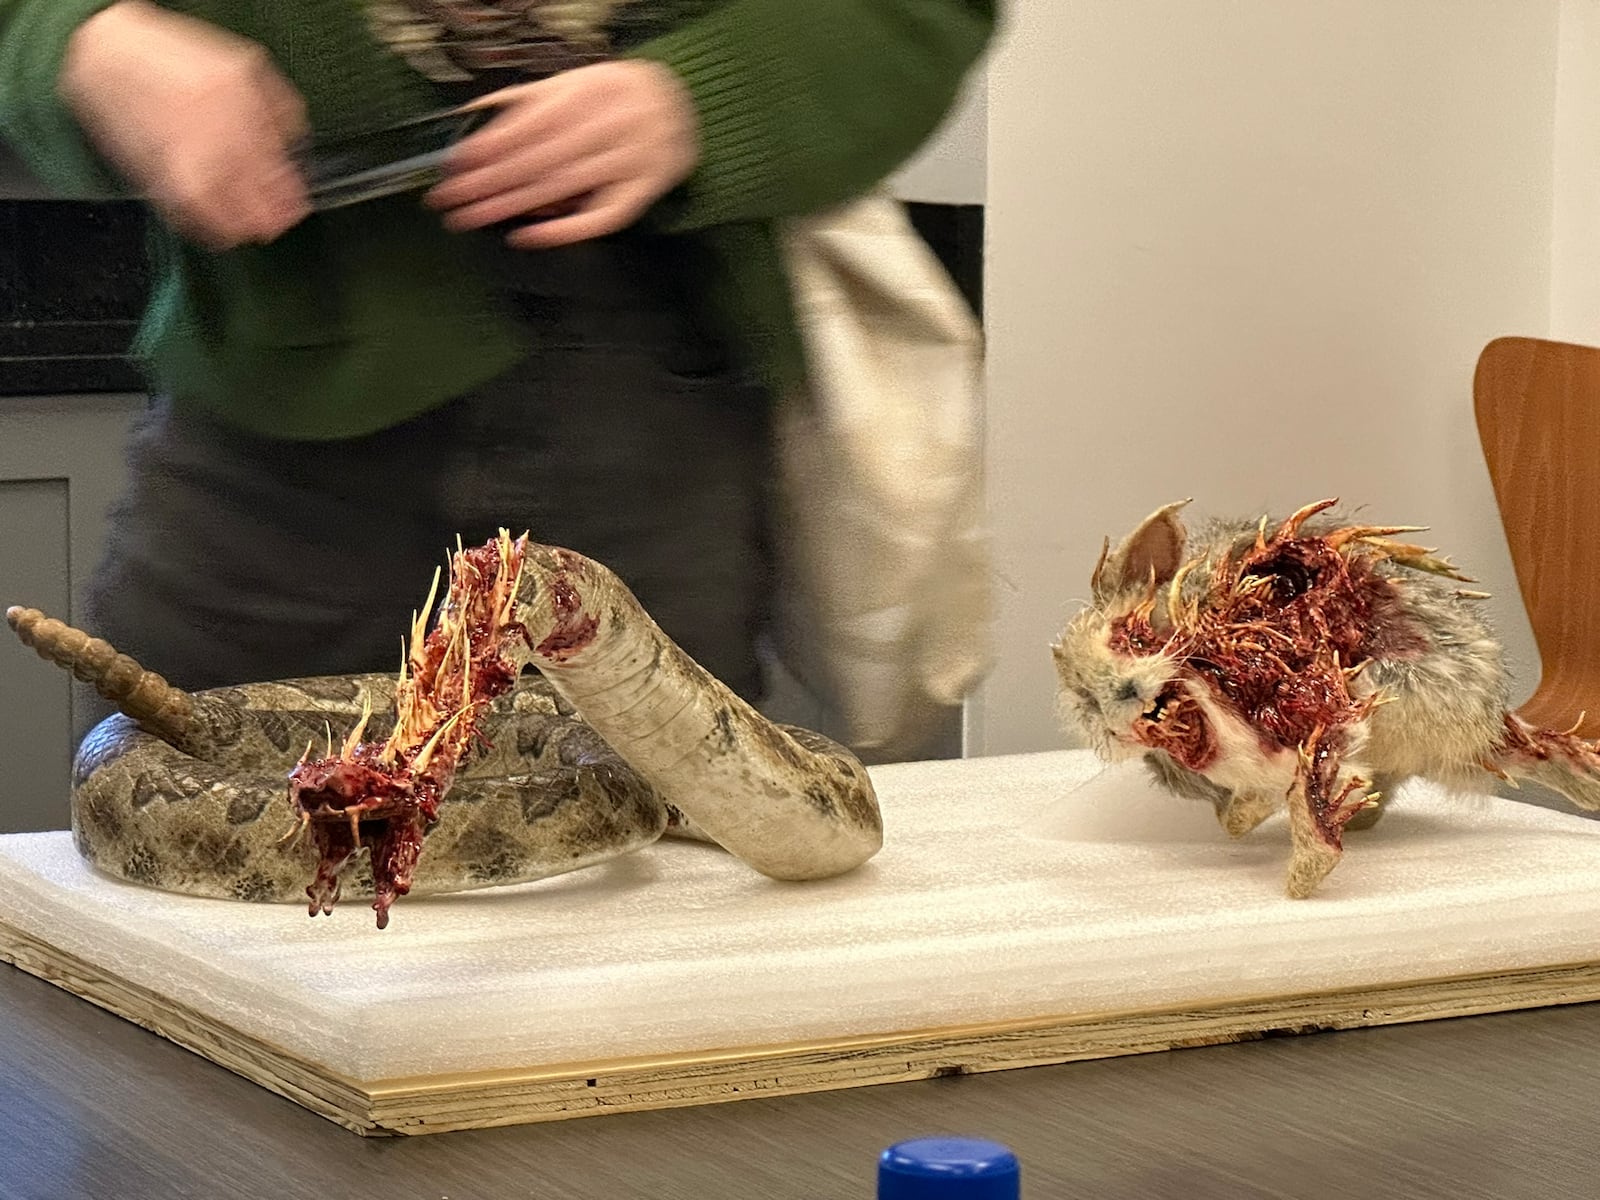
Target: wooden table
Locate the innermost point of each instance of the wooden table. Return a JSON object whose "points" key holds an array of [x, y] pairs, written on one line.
{"points": [[1498, 1106]]}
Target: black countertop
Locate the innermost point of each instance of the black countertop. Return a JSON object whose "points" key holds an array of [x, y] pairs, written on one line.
{"points": [[73, 282], [74, 279]]}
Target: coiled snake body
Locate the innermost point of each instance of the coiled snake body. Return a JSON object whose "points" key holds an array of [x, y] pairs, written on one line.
{"points": [[615, 738]]}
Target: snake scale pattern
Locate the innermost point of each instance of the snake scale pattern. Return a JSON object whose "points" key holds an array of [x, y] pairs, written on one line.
{"points": [[615, 737]]}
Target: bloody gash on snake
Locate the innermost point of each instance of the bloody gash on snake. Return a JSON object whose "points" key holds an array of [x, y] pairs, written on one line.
{"points": [[1307, 664], [464, 771]]}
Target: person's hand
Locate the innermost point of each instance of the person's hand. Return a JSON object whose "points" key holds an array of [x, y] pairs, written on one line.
{"points": [[196, 118], [582, 154]]}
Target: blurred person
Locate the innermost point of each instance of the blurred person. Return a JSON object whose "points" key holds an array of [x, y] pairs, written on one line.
{"points": [[578, 330]]}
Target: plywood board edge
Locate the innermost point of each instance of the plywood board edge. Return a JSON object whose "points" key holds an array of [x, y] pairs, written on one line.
{"points": [[272, 1067], [480, 1100], [428, 1106]]}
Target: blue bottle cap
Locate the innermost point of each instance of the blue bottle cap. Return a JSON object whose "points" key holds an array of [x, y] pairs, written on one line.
{"points": [[948, 1169]]}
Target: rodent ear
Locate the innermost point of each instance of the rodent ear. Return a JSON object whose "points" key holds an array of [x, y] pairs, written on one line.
{"points": [[1152, 551]]}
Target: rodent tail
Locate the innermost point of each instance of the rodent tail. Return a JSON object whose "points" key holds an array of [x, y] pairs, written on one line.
{"points": [[164, 710], [1561, 762]]}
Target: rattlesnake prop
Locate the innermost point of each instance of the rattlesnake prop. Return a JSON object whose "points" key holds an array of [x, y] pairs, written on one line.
{"points": [[462, 772]]}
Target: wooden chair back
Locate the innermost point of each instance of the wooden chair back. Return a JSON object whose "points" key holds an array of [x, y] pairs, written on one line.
{"points": [[1537, 405]]}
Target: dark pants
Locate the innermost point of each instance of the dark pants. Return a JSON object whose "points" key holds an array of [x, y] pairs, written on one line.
{"points": [[235, 559]]}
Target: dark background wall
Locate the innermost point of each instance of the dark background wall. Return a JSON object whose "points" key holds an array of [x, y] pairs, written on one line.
{"points": [[73, 281]]}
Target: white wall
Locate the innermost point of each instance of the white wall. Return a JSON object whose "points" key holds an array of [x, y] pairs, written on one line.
{"points": [[1575, 251], [1248, 251], [950, 169]]}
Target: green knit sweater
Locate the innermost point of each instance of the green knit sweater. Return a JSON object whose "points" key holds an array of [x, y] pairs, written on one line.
{"points": [[362, 317]]}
